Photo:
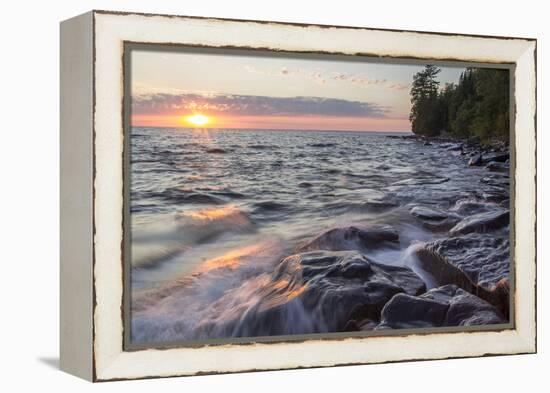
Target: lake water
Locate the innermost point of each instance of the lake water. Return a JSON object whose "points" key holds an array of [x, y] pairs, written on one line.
{"points": [[214, 211]]}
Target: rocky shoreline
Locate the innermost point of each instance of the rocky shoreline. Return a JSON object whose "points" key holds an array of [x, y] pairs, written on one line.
{"points": [[342, 289]]}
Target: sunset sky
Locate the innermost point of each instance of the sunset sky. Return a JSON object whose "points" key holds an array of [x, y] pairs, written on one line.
{"points": [[200, 89]]}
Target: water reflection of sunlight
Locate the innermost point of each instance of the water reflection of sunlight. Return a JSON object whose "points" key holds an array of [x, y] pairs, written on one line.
{"points": [[217, 213], [233, 258], [202, 135], [281, 292]]}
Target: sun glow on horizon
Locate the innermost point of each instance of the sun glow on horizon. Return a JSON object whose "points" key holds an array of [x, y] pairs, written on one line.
{"points": [[197, 120]]}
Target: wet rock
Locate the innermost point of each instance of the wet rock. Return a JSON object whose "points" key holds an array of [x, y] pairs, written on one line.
{"points": [[406, 311], [448, 305], [433, 219], [469, 206], [477, 263], [441, 225], [427, 213], [352, 238], [482, 222], [476, 160], [317, 292], [454, 147], [495, 166], [496, 180], [496, 157]]}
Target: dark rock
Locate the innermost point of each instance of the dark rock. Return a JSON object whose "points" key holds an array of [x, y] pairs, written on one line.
{"points": [[482, 222], [427, 143], [476, 160], [440, 226], [448, 305], [428, 213], [496, 157], [496, 180], [351, 238], [406, 311], [433, 219], [466, 309], [477, 263], [470, 206], [495, 166], [318, 292], [454, 147], [351, 326]]}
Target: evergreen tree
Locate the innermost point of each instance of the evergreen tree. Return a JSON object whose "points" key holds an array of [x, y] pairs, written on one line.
{"points": [[477, 106], [424, 115]]}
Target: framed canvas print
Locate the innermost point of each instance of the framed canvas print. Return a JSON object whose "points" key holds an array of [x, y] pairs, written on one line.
{"points": [[245, 195]]}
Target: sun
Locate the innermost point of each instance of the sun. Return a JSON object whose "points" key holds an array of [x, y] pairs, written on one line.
{"points": [[197, 120]]}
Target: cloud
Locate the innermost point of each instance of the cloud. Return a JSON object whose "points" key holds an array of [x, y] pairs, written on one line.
{"points": [[357, 79], [250, 105], [320, 76], [398, 86]]}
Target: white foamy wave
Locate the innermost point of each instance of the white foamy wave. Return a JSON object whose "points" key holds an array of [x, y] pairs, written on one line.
{"points": [[178, 308], [169, 236]]}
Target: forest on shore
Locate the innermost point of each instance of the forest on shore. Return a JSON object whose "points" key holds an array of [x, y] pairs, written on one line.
{"points": [[477, 106]]}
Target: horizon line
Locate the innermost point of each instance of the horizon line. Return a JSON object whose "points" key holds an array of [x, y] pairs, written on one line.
{"points": [[267, 129]]}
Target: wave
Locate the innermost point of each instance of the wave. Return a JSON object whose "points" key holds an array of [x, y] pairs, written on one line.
{"points": [[321, 144], [177, 309], [165, 238], [180, 195], [216, 150], [269, 206], [304, 293], [262, 147]]}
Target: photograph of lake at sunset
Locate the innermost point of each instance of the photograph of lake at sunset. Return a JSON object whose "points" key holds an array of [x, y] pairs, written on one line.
{"points": [[283, 195]]}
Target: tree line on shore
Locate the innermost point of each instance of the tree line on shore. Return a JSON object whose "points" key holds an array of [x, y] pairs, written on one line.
{"points": [[477, 106]]}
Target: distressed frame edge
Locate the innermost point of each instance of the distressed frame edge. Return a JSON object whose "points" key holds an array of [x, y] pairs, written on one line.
{"points": [[304, 24], [528, 340]]}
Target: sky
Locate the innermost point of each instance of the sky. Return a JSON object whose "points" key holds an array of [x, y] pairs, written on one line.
{"points": [[205, 89]]}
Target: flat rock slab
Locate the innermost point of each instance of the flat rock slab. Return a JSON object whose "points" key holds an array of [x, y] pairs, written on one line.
{"points": [[478, 263], [445, 306], [352, 238], [482, 222], [484, 258], [427, 213]]}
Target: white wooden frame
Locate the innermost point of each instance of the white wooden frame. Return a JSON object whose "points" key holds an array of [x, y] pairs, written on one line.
{"points": [[92, 195]]}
